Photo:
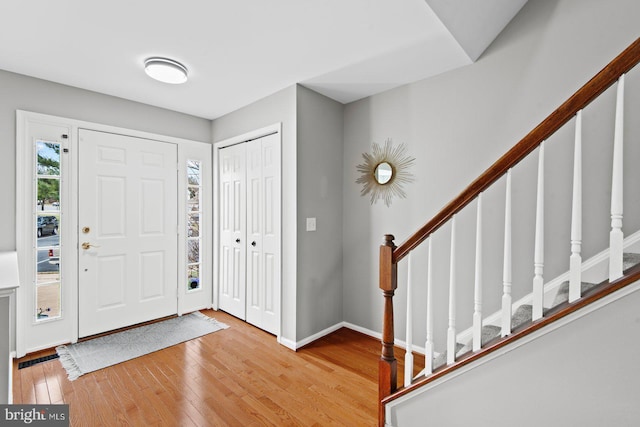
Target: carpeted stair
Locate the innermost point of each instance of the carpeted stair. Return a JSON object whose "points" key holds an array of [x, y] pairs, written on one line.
{"points": [[523, 314]]}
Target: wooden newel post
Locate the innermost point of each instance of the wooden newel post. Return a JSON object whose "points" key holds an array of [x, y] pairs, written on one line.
{"points": [[388, 365]]}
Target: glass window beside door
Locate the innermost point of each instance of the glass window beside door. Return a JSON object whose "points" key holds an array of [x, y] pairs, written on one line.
{"points": [[194, 206], [47, 217]]}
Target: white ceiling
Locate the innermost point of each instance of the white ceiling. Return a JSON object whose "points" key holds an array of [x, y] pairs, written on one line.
{"points": [[238, 51]]}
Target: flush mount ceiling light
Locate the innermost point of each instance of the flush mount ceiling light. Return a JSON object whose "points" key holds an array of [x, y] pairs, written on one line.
{"points": [[165, 70]]}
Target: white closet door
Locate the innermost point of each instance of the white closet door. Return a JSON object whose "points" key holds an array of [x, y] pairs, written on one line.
{"points": [[232, 230], [250, 228], [263, 233]]}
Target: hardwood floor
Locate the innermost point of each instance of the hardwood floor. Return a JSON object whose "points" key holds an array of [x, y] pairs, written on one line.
{"points": [[236, 377]]}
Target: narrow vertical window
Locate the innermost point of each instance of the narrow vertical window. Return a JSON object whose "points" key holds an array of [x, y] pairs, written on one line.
{"points": [[194, 206], [47, 218]]}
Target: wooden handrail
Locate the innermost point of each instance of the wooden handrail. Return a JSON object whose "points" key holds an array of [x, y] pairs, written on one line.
{"points": [[587, 93]]}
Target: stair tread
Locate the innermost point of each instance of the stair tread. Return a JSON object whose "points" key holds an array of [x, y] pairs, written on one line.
{"points": [[522, 315], [441, 359], [563, 292], [630, 259]]}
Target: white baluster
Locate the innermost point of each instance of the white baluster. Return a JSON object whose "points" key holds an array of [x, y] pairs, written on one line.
{"points": [[428, 346], [477, 298], [575, 261], [538, 256], [451, 331], [408, 356], [506, 271], [616, 236]]}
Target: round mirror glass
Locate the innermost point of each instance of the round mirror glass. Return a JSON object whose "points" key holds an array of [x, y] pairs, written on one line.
{"points": [[383, 173]]}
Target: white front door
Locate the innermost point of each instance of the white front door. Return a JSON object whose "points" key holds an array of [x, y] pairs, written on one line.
{"points": [[127, 221], [250, 224]]}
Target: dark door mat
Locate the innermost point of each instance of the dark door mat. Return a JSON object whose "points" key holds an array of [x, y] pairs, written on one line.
{"points": [[36, 361]]}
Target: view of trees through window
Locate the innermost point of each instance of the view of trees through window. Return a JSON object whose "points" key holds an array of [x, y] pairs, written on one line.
{"points": [[47, 231], [194, 203]]}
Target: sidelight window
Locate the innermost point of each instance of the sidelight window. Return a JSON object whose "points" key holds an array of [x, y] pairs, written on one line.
{"points": [[47, 223], [194, 214]]}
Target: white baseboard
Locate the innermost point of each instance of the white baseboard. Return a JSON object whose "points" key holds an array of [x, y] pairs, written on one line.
{"points": [[295, 345], [373, 334], [287, 343]]}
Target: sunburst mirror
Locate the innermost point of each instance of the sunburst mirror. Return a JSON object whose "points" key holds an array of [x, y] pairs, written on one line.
{"points": [[385, 171]]}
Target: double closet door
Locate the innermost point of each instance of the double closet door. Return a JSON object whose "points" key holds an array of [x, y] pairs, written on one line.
{"points": [[250, 229]]}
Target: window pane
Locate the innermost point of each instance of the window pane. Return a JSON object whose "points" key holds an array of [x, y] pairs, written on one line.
{"points": [[194, 199], [193, 172], [47, 230], [193, 249], [48, 194], [48, 265], [193, 225], [48, 162], [194, 206], [193, 194], [48, 301], [193, 281]]}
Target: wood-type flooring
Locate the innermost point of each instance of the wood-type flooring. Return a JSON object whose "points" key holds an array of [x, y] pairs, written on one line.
{"points": [[235, 377]]}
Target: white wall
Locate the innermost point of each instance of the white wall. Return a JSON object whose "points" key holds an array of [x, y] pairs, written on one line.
{"points": [[18, 92], [583, 374], [457, 124]]}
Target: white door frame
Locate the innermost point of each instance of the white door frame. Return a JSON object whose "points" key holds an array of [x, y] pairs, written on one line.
{"points": [[255, 134], [65, 329]]}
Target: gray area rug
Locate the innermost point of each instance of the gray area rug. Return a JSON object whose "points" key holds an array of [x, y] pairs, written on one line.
{"points": [[98, 353]]}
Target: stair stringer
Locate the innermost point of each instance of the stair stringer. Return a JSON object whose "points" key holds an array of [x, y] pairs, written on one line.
{"points": [[391, 407]]}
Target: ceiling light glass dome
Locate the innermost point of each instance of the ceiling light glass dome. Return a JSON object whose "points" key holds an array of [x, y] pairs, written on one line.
{"points": [[165, 70]]}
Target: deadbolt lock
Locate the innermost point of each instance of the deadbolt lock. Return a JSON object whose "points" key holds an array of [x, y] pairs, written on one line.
{"points": [[85, 230]]}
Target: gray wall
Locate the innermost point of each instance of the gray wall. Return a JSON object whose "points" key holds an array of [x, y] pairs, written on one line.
{"points": [[457, 124], [277, 108], [583, 374], [18, 92], [320, 123]]}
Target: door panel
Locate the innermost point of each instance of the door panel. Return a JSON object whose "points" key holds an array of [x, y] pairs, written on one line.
{"points": [[232, 230], [111, 282], [127, 200], [263, 308]]}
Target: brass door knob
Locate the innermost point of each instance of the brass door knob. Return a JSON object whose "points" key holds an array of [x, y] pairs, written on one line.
{"points": [[87, 245]]}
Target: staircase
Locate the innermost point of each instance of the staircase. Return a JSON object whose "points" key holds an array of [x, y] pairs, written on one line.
{"points": [[580, 287]]}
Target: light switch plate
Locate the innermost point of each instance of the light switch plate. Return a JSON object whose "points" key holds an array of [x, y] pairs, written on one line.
{"points": [[311, 224]]}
